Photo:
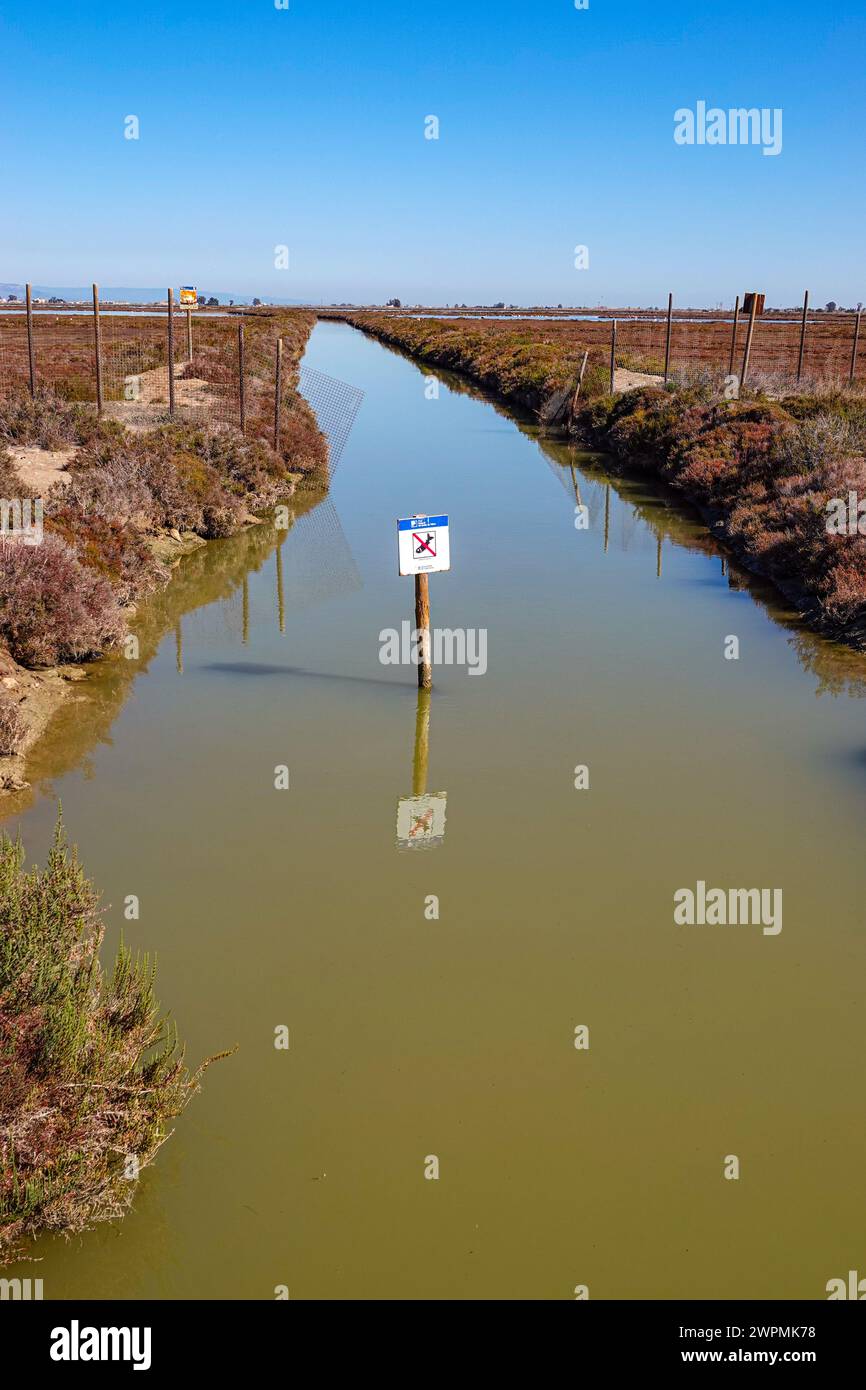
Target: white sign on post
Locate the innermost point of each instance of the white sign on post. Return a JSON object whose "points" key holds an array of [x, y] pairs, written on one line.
{"points": [[422, 544]]}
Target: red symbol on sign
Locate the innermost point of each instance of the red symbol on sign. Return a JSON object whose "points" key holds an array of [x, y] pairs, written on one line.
{"points": [[429, 544]]}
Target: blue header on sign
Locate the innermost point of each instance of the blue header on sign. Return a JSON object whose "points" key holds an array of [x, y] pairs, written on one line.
{"points": [[410, 522]]}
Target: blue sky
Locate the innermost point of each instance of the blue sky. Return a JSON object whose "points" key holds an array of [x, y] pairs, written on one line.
{"points": [[305, 127]]}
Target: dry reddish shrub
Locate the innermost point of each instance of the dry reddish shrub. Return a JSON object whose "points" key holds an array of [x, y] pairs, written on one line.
{"points": [[51, 422], [10, 483], [11, 726], [52, 608]]}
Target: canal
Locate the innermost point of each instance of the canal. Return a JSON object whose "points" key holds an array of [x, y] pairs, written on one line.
{"points": [[447, 1028]]}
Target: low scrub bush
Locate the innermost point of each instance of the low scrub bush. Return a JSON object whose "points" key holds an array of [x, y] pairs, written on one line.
{"points": [[90, 1073], [52, 607]]}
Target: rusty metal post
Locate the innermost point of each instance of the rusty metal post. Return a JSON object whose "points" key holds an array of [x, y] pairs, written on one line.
{"points": [[803, 335], [278, 391], [30, 357], [734, 336], [668, 337], [612, 353], [97, 343], [749, 335], [171, 352], [855, 344], [241, 396]]}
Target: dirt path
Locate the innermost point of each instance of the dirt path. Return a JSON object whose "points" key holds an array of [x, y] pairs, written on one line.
{"points": [[39, 469], [147, 398]]}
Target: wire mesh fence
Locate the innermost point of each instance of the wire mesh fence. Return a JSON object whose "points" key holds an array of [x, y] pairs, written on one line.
{"points": [[223, 370], [150, 367], [828, 349]]}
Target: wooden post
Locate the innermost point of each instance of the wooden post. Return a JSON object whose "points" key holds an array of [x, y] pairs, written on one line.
{"points": [[854, 349], [734, 336], [668, 337], [28, 297], [803, 335], [189, 334], [171, 352], [241, 397], [98, 349], [579, 382], [612, 353], [278, 391], [422, 626], [606, 515], [750, 332], [421, 754]]}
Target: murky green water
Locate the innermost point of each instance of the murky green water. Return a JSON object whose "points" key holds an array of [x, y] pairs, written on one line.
{"points": [[455, 1037]]}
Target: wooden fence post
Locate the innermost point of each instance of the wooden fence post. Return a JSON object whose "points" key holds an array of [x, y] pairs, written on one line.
{"points": [[171, 352], [241, 396], [854, 349], [749, 334], [30, 357], [97, 343], [668, 337], [734, 337], [278, 391], [612, 352], [803, 335], [422, 627], [189, 334]]}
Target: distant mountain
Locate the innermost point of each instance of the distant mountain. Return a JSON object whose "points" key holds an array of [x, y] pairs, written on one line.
{"points": [[123, 294]]}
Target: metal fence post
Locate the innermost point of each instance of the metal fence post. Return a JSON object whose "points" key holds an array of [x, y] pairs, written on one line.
{"points": [[189, 334], [612, 352], [749, 334], [668, 337], [97, 342], [854, 349], [734, 336], [171, 352], [241, 397], [278, 390], [803, 335], [30, 357]]}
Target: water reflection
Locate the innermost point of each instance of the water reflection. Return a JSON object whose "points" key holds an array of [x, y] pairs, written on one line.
{"points": [[208, 596], [421, 816]]}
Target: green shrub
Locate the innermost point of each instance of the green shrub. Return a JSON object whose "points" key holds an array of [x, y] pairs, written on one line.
{"points": [[90, 1073]]}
